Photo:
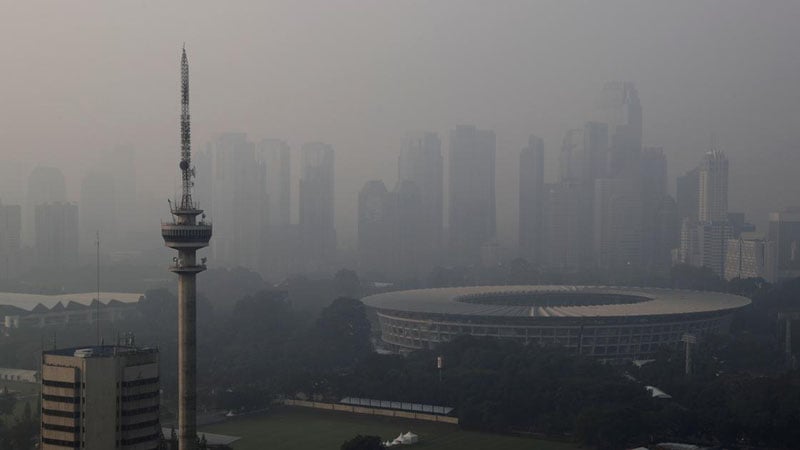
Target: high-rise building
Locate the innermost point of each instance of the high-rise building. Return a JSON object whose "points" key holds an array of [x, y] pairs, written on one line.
{"points": [[618, 224], [98, 208], [45, 185], [750, 255], [657, 208], [420, 162], [374, 230], [10, 240], [239, 202], [688, 194], [57, 235], [784, 230], [100, 398], [620, 108], [713, 188], [316, 221], [275, 157], [566, 245], [531, 200], [472, 219]]}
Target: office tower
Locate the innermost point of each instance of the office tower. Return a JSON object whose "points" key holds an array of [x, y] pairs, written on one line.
{"points": [[713, 188], [566, 245], [784, 230], [121, 163], [739, 224], [374, 230], [666, 235], [45, 185], [472, 192], [531, 200], [654, 198], [100, 398], [56, 235], [620, 108], [751, 255], [420, 162], [408, 217], [98, 209], [316, 222], [275, 158], [688, 194], [274, 154], [186, 235], [618, 224], [239, 202], [10, 240]]}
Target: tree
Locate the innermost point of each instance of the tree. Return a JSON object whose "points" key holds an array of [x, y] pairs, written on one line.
{"points": [[346, 283], [363, 443]]}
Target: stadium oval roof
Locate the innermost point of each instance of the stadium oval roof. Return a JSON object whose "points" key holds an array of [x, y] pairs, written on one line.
{"points": [[555, 301], [29, 302]]}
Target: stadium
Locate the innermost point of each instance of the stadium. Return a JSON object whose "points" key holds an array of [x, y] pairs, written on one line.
{"points": [[610, 323]]}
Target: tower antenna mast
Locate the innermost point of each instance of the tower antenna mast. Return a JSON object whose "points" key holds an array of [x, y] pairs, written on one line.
{"points": [[186, 235]]}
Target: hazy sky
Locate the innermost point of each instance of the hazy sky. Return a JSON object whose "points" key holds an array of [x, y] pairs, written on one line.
{"points": [[80, 77]]}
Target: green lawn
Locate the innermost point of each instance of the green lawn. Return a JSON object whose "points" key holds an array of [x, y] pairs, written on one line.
{"points": [[302, 429]]}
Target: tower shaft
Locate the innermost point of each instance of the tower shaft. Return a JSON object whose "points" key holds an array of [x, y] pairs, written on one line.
{"points": [[186, 235]]}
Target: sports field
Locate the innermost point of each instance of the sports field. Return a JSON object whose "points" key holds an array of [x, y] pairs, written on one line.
{"points": [[302, 429]]}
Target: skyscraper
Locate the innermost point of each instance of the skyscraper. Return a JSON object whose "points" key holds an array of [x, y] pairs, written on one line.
{"points": [[316, 221], [472, 192], [531, 199], [186, 235], [620, 108], [10, 240], [374, 230], [703, 241], [45, 185], [713, 188], [239, 201], [420, 162], [688, 194], [56, 234], [100, 398], [784, 230], [98, 208], [275, 157]]}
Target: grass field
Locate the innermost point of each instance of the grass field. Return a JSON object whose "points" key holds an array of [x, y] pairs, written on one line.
{"points": [[302, 429]]}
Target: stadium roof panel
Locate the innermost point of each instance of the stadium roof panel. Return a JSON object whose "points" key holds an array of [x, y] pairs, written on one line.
{"points": [[543, 301]]}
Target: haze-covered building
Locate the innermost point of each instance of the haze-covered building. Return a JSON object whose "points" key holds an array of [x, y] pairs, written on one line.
{"points": [[10, 240], [784, 231], [317, 233], [531, 200], [472, 192], [45, 185], [56, 235]]}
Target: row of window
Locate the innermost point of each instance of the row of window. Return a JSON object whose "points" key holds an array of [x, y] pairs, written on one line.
{"points": [[61, 384], [146, 395], [61, 443], [141, 439], [137, 411], [57, 413], [141, 382], [140, 425], [61, 399], [54, 427]]}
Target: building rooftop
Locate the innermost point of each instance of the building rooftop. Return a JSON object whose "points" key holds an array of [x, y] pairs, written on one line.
{"points": [[555, 301], [30, 302], [98, 351]]}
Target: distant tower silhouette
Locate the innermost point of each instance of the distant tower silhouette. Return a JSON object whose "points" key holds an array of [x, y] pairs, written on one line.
{"points": [[186, 235]]}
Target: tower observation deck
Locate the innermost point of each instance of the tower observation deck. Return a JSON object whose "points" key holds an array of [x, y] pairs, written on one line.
{"points": [[186, 234]]}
